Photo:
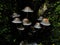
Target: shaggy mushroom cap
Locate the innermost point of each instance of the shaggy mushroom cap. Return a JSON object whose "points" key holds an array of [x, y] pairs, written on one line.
{"points": [[45, 22]]}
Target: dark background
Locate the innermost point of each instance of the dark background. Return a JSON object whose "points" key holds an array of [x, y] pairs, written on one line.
{"points": [[7, 7]]}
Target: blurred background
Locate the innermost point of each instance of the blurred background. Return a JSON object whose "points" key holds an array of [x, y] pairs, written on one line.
{"points": [[8, 7]]}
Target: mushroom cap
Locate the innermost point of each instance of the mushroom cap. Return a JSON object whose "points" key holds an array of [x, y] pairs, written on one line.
{"points": [[26, 21], [45, 22], [16, 20], [40, 18], [37, 25], [21, 28], [15, 15], [27, 9]]}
